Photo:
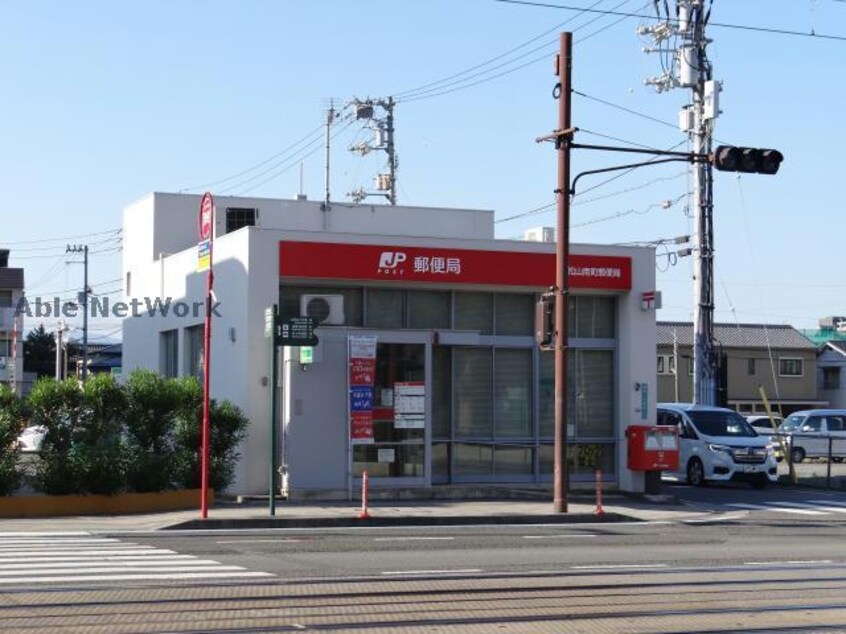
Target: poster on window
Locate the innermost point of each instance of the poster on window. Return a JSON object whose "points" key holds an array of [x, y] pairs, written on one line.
{"points": [[410, 405], [362, 375]]}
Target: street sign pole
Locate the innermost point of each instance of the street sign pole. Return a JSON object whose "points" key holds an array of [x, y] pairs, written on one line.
{"points": [[206, 233], [274, 370]]}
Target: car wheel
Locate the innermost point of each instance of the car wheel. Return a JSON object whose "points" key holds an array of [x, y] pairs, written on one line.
{"points": [[837, 459], [695, 473], [797, 454]]}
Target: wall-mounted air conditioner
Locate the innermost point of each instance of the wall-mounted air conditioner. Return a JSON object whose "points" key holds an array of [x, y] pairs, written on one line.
{"points": [[325, 309]]}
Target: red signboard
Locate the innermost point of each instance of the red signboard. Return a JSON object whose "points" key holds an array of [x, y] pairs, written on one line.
{"points": [[206, 207], [328, 260]]}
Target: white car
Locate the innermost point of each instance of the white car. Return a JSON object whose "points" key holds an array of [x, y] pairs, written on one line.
{"points": [[30, 439], [817, 433], [764, 426], [717, 444]]}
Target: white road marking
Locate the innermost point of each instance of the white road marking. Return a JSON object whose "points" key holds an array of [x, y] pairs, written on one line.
{"points": [[89, 553], [135, 577], [431, 572], [792, 563], [109, 562], [834, 502], [558, 536], [71, 540], [617, 566], [412, 539], [150, 556], [818, 507], [260, 541], [717, 518], [776, 509]]}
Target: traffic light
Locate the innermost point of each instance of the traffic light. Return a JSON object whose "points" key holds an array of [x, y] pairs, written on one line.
{"points": [[749, 160], [545, 321]]}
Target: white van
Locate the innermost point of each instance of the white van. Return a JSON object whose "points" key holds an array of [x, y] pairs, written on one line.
{"points": [[816, 432], [718, 444]]}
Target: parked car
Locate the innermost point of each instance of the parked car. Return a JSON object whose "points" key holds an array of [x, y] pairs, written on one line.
{"points": [[764, 426], [30, 438], [817, 433], [717, 444]]}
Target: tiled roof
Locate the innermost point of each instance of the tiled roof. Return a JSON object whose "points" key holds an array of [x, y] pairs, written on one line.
{"points": [[738, 335], [838, 345], [11, 278]]}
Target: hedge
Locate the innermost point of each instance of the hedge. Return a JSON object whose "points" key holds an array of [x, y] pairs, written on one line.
{"points": [[107, 437]]}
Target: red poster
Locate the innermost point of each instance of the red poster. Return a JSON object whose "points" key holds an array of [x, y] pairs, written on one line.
{"points": [[361, 426], [362, 371]]}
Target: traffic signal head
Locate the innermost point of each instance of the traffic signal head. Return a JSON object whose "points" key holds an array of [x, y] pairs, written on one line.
{"points": [[728, 158]]}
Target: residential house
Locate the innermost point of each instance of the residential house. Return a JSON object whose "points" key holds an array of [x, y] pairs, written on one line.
{"points": [[11, 337], [776, 357]]}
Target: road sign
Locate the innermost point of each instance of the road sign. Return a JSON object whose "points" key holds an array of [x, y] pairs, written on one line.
{"points": [[206, 208], [297, 331]]}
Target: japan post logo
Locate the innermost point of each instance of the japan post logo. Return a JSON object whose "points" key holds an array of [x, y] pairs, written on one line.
{"points": [[391, 259]]}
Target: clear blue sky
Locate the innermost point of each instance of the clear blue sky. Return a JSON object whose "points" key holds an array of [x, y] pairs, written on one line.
{"points": [[108, 100]]}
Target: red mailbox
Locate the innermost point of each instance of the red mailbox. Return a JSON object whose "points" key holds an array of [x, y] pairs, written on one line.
{"points": [[653, 448]]}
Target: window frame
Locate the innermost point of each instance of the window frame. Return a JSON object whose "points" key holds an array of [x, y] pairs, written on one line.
{"points": [[782, 373]]}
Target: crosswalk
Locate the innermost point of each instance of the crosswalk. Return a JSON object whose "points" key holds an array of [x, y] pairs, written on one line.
{"points": [[809, 507], [37, 558]]}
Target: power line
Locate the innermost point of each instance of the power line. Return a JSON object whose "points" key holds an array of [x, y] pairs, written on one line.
{"points": [[446, 81], [257, 165], [65, 238], [629, 110], [724, 25], [437, 92]]}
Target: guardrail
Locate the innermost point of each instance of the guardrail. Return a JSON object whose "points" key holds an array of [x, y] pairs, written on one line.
{"points": [[811, 459]]}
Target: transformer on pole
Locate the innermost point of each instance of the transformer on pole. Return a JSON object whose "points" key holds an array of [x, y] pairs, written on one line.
{"points": [[382, 125]]}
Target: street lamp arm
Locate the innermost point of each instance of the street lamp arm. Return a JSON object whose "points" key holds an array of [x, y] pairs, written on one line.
{"points": [[688, 158], [691, 156]]}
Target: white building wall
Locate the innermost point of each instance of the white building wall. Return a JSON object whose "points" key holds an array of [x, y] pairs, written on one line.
{"points": [[246, 267], [836, 397]]}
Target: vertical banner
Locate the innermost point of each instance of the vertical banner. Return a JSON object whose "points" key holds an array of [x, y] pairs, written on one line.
{"points": [[362, 374], [13, 369]]}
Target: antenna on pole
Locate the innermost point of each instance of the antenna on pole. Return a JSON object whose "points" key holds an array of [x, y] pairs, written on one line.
{"points": [[382, 126], [690, 68], [330, 116]]}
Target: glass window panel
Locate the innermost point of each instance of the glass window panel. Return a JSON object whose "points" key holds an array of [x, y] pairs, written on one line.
{"points": [[513, 460], [289, 301], [473, 392], [595, 317], [515, 314], [194, 344], [5, 299], [584, 459], [474, 311], [513, 392], [546, 394], [397, 461], [594, 397], [473, 460], [440, 461], [428, 309], [385, 308], [441, 391], [169, 353]]}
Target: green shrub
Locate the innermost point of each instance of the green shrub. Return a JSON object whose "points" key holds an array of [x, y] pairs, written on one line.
{"points": [[98, 445], [58, 406], [12, 421], [227, 428], [151, 406]]}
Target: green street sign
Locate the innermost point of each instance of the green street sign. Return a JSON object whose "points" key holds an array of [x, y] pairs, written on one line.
{"points": [[306, 354]]}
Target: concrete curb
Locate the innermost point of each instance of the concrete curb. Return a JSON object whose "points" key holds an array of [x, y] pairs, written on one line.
{"points": [[409, 520]]}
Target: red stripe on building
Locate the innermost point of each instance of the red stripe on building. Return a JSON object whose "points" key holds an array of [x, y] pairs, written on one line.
{"points": [[366, 262]]}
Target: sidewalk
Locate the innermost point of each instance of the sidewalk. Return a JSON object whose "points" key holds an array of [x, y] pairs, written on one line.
{"points": [[253, 515]]}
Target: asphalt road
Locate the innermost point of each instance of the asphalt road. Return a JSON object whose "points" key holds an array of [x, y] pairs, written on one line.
{"points": [[734, 569]]}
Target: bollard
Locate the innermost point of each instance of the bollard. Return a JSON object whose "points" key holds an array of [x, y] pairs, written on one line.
{"points": [[365, 483], [598, 510]]}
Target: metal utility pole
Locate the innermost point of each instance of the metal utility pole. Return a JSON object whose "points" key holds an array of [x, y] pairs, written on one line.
{"points": [[564, 65], [693, 70], [83, 299], [60, 330], [383, 129], [330, 117]]}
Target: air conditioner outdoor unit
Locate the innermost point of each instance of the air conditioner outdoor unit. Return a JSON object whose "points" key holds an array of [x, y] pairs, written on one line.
{"points": [[325, 309]]}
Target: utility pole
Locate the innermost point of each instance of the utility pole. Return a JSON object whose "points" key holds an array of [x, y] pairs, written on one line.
{"points": [[330, 117], [83, 299], [60, 330], [383, 129], [693, 70], [562, 137]]}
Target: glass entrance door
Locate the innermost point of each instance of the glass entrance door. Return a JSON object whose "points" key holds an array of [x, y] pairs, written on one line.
{"points": [[398, 450]]}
